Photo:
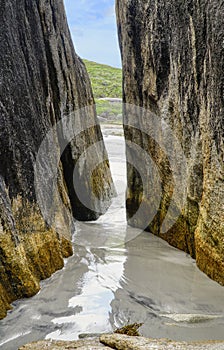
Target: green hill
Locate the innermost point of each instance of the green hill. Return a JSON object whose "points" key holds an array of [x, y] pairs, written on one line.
{"points": [[106, 83]]}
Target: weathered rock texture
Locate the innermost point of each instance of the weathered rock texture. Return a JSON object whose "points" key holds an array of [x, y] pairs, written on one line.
{"points": [[173, 67], [90, 344], [124, 342], [41, 81]]}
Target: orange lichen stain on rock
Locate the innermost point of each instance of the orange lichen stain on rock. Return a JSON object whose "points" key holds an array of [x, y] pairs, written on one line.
{"points": [[37, 253], [209, 259]]}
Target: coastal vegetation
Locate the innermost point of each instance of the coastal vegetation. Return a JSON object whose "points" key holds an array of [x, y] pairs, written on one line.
{"points": [[106, 83]]}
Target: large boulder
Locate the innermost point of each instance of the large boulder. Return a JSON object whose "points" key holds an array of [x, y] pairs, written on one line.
{"points": [[43, 83], [173, 72]]}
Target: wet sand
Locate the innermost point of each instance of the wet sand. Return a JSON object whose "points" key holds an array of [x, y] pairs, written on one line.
{"points": [[119, 275]]}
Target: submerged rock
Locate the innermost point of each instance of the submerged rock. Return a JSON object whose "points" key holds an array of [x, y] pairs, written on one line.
{"points": [[173, 71], [43, 83], [191, 318]]}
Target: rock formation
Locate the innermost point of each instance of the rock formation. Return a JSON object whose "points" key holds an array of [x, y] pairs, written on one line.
{"points": [[123, 342], [43, 81], [173, 64]]}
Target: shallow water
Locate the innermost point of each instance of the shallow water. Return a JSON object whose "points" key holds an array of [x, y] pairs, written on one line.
{"points": [[119, 275]]}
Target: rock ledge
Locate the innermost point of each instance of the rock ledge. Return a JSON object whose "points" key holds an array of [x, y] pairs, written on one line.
{"points": [[124, 342]]}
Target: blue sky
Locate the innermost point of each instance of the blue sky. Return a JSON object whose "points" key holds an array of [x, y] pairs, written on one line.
{"points": [[93, 28]]}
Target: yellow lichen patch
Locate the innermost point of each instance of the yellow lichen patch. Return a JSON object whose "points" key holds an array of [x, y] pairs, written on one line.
{"points": [[4, 303], [36, 253], [16, 277], [208, 259], [43, 253], [130, 329], [66, 247], [99, 179]]}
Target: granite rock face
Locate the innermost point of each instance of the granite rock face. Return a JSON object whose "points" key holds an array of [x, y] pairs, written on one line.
{"points": [[43, 81], [173, 76]]}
